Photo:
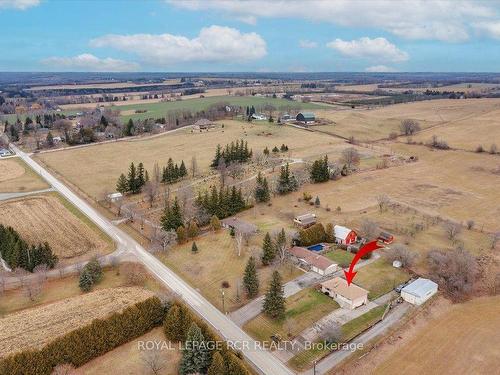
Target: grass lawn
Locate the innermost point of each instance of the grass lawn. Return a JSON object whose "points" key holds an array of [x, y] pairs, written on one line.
{"points": [[129, 358], [160, 109], [217, 261], [380, 278], [341, 257], [350, 330], [16, 177], [302, 310]]}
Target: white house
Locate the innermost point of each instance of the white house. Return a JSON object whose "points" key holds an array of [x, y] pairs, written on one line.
{"points": [[419, 291], [347, 296], [315, 262], [258, 116]]}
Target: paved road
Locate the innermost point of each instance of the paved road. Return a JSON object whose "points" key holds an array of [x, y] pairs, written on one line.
{"points": [[262, 360]]}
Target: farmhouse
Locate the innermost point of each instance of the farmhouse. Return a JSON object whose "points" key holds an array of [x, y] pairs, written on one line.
{"points": [[315, 262], [350, 297], [343, 235], [419, 291], [305, 221], [306, 117], [203, 124], [239, 225]]}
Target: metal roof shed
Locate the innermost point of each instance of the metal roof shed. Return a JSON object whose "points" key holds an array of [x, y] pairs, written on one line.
{"points": [[419, 291]]}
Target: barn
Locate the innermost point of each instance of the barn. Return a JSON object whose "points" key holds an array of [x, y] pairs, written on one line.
{"points": [[306, 117], [305, 221], [347, 296], [419, 291], [343, 235]]}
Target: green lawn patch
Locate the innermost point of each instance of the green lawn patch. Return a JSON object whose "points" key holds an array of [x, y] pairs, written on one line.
{"points": [[380, 278], [341, 257], [302, 310]]}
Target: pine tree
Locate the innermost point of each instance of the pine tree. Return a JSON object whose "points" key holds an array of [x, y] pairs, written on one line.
{"points": [[122, 184], [132, 181], [193, 230], [172, 216], [141, 180], [218, 366], [129, 128], [182, 170], [195, 354], [194, 248], [250, 279], [274, 302], [176, 322], [268, 250], [262, 193], [286, 181], [50, 139], [85, 282]]}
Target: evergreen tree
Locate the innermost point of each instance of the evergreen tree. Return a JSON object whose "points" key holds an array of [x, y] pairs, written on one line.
{"points": [[194, 248], [182, 170], [276, 149], [50, 139], [176, 323], [172, 216], [195, 354], [262, 193], [141, 180], [122, 185], [286, 181], [218, 366], [181, 234], [268, 250], [132, 180], [274, 302], [250, 279], [193, 230], [129, 128], [85, 283], [320, 171]]}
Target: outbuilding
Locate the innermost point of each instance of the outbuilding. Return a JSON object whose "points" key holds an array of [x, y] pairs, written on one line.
{"points": [[114, 197], [310, 260], [386, 238], [203, 124], [419, 291], [347, 296], [306, 117], [344, 235], [5, 152], [305, 221]]}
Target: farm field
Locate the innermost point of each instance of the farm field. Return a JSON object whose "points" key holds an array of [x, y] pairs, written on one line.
{"points": [[101, 165], [16, 176], [54, 290], [128, 359], [463, 340], [217, 261], [160, 109], [33, 328], [302, 310], [377, 123], [49, 217]]}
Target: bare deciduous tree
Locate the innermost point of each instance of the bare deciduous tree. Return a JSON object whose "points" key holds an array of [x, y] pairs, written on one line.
{"points": [[401, 253], [193, 167], [33, 286], [235, 170], [350, 157], [164, 239], [383, 202], [153, 361], [452, 230], [409, 126], [238, 238], [369, 229], [151, 191], [495, 237], [222, 169], [134, 274], [332, 334]]}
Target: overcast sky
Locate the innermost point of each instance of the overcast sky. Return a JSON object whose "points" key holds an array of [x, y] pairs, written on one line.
{"points": [[252, 35]]}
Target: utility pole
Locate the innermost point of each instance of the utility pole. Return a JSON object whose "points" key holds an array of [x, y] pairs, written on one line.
{"points": [[314, 367], [222, 296]]}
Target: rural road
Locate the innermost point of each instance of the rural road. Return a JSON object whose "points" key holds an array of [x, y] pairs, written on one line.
{"points": [[6, 196], [262, 360]]}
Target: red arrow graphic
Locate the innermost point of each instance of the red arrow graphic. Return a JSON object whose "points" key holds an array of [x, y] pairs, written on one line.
{"points": [[370, 246]]}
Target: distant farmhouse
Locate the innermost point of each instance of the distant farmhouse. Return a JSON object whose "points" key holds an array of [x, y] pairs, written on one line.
{"points": [[203, 124], [306, 117], [350, 297]]}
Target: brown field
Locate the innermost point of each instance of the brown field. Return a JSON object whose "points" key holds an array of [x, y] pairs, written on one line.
{"points": [[100, 165], [114, 85], [50, 218], [16, 176], [462, 341], [372, 124], [128, 359], [217, 261], [33, 328]]}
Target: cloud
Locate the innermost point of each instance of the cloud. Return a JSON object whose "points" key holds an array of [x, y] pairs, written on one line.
{"points": [[213, 44], [491, 29], [445, 20], [378, 48], [18, 4], [90, 63], [379, 69], [303, 43]]}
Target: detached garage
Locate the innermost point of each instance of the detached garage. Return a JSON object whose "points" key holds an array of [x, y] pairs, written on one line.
{"points": [[419, 291]]}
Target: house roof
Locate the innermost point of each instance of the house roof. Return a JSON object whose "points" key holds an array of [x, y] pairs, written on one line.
{"points": [[420, 287], [385, 235], [240, 225], [316, 260], [339, 286], [341, 232], [203, 122], [306, 218]]}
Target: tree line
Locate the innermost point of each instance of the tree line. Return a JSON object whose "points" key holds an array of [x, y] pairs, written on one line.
{"points": [[17, 253], [222, 203], [236, 151]]}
